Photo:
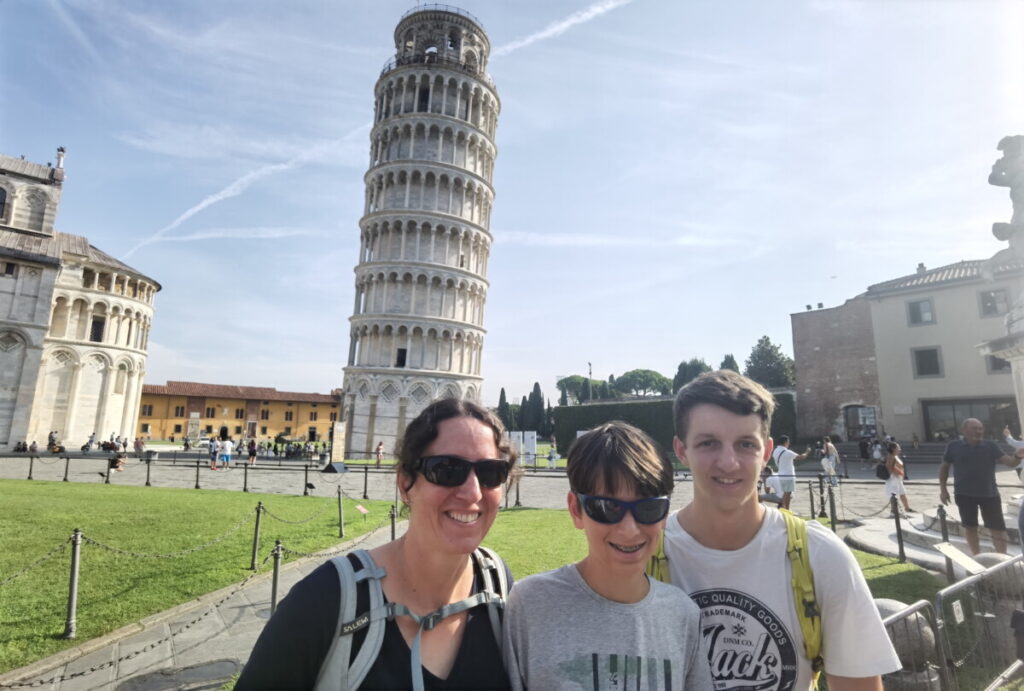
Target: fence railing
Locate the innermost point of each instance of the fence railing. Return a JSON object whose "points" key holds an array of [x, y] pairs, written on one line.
{"points": [[914, 633]]}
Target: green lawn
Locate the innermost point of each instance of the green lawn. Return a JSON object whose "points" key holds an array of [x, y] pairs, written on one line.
{"points": [[116, 589]]}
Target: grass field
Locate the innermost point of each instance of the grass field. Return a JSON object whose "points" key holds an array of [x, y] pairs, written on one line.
{"points": [[116, 589]]}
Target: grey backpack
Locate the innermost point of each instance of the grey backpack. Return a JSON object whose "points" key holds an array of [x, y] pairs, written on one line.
{"points": [[341, 670]]}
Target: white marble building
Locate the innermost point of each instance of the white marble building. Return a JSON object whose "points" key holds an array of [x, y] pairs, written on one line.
{"points": [[74, 321], [421, 281]]}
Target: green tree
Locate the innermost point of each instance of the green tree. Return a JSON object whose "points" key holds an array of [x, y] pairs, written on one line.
{"points": [[513, 416], [563, 397], [768, 365], [643, 382], [574, 388], [524, 414], [549, 421], [533, 419], [503, 410], [729, 362], [605, 391], [688, 371]]}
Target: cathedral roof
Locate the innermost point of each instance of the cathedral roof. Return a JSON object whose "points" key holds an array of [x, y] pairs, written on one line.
{"points": [[49, 250], [28, 169]]}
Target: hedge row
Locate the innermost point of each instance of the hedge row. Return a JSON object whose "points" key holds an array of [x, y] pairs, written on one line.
{"points": [[653, 417]]}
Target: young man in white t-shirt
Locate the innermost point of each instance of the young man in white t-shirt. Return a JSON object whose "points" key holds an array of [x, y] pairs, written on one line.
{"points": [[786, 460], [728, 552]]}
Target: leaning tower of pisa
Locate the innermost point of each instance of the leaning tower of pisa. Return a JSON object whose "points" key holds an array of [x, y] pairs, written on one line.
{"points": [[421, 281]]}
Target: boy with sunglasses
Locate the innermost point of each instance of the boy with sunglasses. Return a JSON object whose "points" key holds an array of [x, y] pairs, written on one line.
{"points": [[602, 623], [729, 552]]}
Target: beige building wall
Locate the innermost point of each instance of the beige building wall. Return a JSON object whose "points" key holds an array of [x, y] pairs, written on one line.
{"points": [[955, 328]]}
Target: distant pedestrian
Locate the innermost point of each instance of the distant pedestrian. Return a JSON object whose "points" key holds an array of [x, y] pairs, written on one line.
{"points": [[252, 452], [830, 459], [227, 446], [140, 446], [864, 447], [379, 452], [786, 460], [214, 452], [894, 485], [915, 441]]}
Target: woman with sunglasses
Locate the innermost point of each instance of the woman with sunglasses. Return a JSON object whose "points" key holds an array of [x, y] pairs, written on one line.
{"points": [[452, 463], [602, 623]]}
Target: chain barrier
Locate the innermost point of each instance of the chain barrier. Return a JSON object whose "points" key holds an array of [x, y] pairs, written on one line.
{"points": [[330, 505], [135, 653], [170, 555], [56, 459], [358, 541], [53, 552]]}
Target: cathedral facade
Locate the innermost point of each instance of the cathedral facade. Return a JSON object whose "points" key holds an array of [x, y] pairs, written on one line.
{"points": [[74, 321]]}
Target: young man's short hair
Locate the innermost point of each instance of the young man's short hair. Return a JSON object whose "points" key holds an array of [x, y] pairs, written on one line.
{"points": [[725, 389], [783, 439], [617, 454]]}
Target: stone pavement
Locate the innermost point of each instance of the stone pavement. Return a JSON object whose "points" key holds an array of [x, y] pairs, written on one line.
{"points": [[213, 648]]}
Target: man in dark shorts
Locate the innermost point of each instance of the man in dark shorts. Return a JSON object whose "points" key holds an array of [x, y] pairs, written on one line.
{"points": [[974, 483]]}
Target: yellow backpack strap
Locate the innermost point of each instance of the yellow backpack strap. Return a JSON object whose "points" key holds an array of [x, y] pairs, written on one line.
{"points": [[807, 610], [657, 565]]}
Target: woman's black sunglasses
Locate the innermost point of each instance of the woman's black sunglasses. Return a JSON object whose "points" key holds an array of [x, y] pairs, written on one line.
{"points": [[609, 511], [452, 471]]}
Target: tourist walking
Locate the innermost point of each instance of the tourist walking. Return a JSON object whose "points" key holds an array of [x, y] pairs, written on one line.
{"points": [[379, 452], [829, 460], [894, 485], [252, 452], [452, 465], [785, 461], [226, 448], [973, 460], [214, 452]]}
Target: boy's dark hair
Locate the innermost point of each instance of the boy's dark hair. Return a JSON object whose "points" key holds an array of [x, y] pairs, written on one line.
{"points": [[891, 446], [423, 430], [616, 456], [725, 389], [783, 439]]}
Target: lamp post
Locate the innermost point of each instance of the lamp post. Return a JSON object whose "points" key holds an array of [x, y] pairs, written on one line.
{"points": [[590, 382]]}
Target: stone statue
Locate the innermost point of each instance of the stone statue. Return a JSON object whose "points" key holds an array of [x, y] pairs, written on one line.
{"points": [[1008, 171]]}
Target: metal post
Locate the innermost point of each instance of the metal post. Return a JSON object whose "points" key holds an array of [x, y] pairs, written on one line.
{"points": [[366, 480], [149, 463], [393, 515], [67, 462], [832, 507], [71, 624], [305, 482], [810, 491], [106, 480], [899, 527], [31, 462], [256, 536], [341, 516], [821, 495], [941, 512], [277, 573], [245, 477], [197, 474], [518, 504]]}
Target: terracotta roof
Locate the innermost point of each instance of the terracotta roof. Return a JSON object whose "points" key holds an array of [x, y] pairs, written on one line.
{"points": [[968, 270], [249, 393]]}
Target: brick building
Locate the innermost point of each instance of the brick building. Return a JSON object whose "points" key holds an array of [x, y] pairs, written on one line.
{"points": [[902, 358]]}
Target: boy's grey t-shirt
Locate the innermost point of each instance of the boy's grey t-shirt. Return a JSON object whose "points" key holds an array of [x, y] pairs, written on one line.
{"points": [[560, 634]]}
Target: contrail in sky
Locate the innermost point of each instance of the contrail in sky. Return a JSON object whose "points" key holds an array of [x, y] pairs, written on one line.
{"points": [[244, 182], [561, 26]]}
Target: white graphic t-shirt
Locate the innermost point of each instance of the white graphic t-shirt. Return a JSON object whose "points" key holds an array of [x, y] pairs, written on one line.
{"points": [[748, 619]]}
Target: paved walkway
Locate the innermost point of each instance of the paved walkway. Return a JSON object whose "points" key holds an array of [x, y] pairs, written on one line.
{"points": [[220, 628]]}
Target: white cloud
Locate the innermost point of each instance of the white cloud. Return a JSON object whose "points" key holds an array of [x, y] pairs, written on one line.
{"points": [[244, 234], [561, 26]]}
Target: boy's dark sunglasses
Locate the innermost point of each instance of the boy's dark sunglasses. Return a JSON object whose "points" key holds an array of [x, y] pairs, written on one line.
{"points": [[610, 511], [452, 471]]}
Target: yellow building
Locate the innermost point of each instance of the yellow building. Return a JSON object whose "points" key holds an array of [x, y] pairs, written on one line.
{"points": [[181, 408]]}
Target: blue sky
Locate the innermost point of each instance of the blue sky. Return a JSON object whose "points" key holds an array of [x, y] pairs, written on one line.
{"points": [[674, 178]]}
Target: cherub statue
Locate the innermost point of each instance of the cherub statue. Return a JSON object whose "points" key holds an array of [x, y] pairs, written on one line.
{"points": [[1008, 171]]}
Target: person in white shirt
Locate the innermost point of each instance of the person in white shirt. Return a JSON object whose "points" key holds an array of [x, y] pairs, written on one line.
{"points": [[729, 553], [785, 461]]}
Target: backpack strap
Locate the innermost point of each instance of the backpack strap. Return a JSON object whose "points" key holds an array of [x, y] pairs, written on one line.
{"points": [[338, 669], [495, 580], [657, 565], [808, 612]]}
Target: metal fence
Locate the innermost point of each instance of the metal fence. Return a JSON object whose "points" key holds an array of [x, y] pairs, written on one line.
{"points": [[974, 625], [914, 633]]}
